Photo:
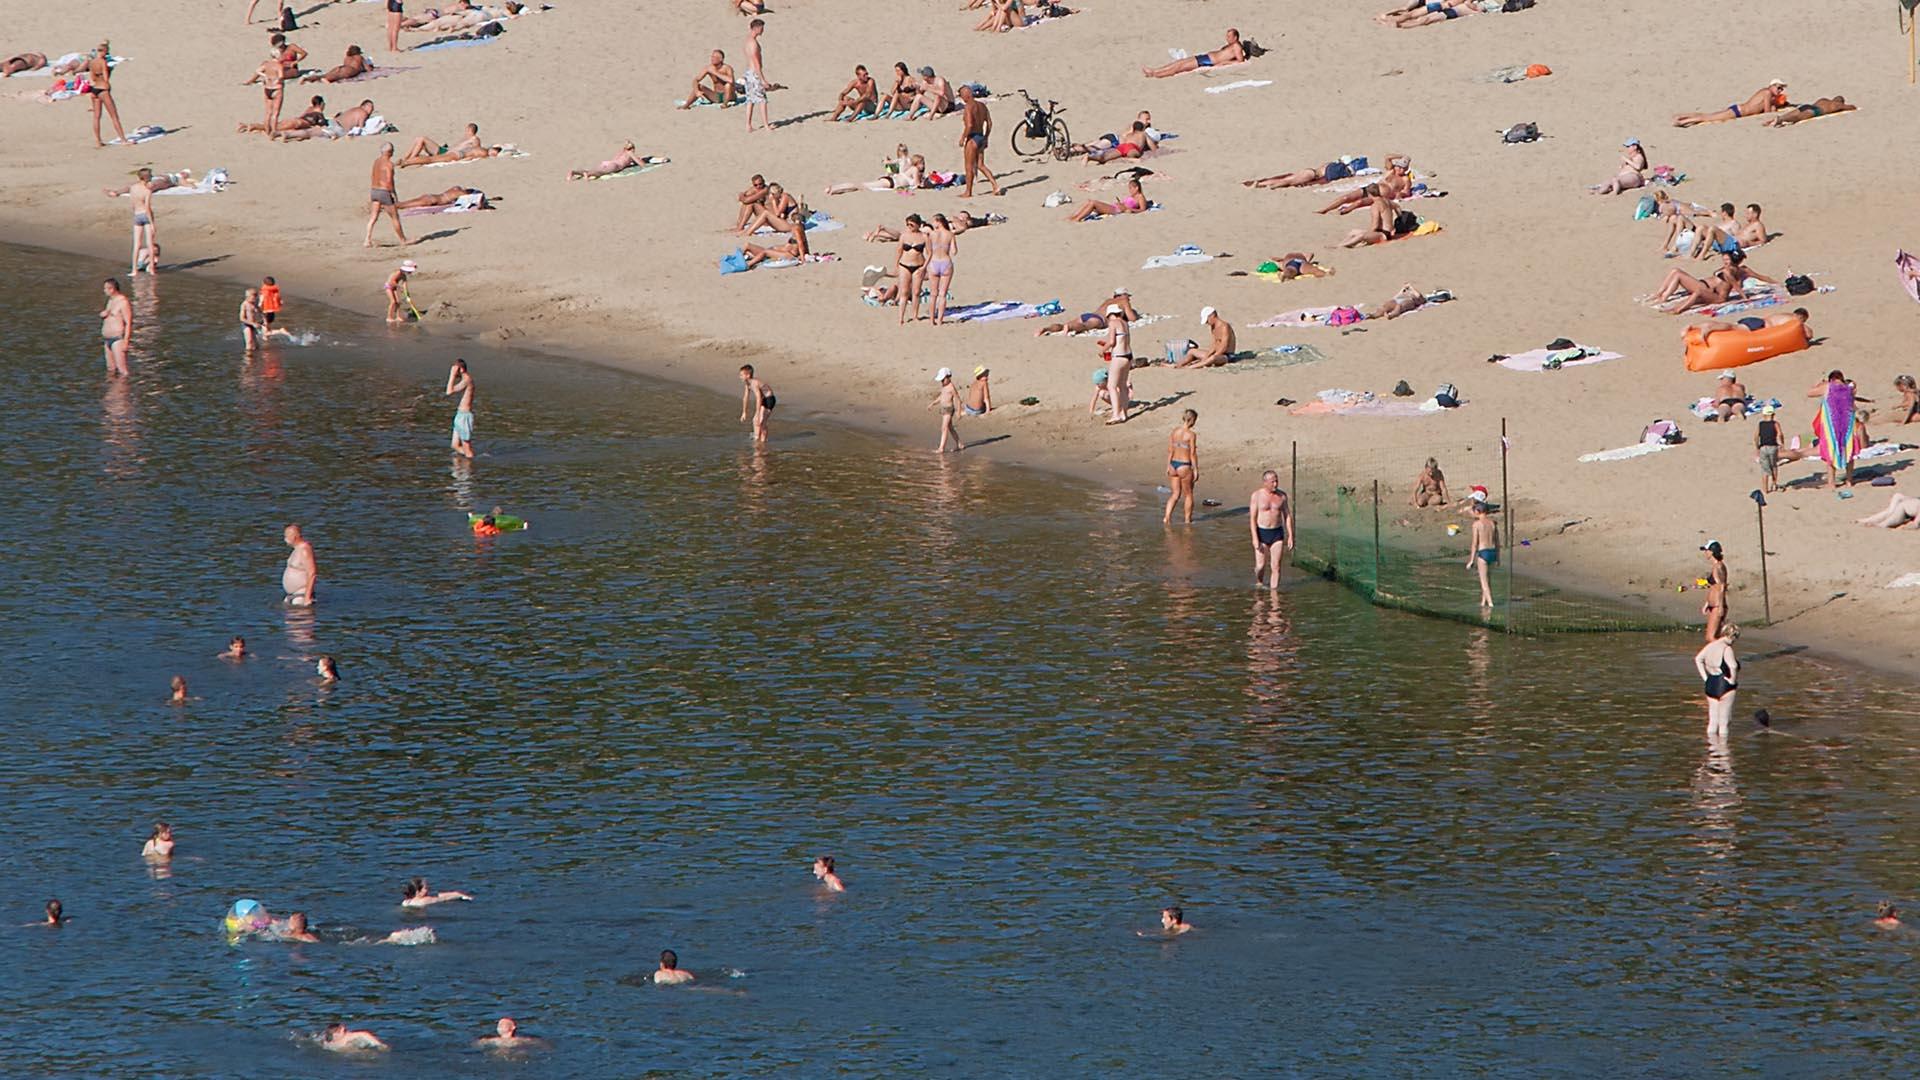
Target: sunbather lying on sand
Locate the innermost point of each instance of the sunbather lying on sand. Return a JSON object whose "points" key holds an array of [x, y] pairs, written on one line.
{"points": [[1686, 292], [13, 65], [1900, 510], [1632, 174], [446, 198], [425, 151], [161, 182], [1428, 12], [1332, 170], [355, 65], [1131, 145], [625, 159], [1088, 321], [1826, 106], [1233, 52], [343, 121], [1407, 299], [462, 16], [905, 173], [1296, 264], [1768, 98], [960, 223], [794, 248], [1395, 183], [1133, 202], [314, 116]]}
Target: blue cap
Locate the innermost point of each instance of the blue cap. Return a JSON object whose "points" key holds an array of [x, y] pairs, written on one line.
{"points": [[1100, 377]]}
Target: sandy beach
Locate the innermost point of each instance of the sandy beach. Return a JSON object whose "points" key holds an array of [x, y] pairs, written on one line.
{"points": [[623, 271]]}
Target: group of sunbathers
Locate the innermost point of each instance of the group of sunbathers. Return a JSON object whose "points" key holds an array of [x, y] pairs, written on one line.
{"points": [[1681, 291], [1139, 140], [907, 98], [764, 205], [1695, 231], [1427, 12], [1014, 14], [1769, 101]]}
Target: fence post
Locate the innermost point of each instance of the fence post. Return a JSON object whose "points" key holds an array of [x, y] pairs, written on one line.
{"points": [[1376, 537], [1766, 594], [1506, 511], [1293, 492]]}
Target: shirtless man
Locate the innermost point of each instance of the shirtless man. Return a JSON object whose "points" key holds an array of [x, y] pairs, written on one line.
{"points": [[860, 97], [382, 196], [753, 82], [1323, 174], [1090, 321], [1217, 350], [1427, 12], [295, 929], [714, 83], [976, 125], [1825, 106], [1174, 921], [14, 65], [446, 198], [777, 211], [507, 1036], [1753, 231], [297, 580], [1233, 52], [1769, 98], [341, 1039], [670, 973], [1131, 145], [1483, 549], [756, 397], [141, 192], [425, 151], [314, 116], [460, 381], [116, 327], [355, 65], [100, 89], [935, 96], [253, 322], [1270, 521], [752, 201]]}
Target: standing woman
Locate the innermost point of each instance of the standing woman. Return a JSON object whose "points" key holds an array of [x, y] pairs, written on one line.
{"points": [[1117, 348], [100, 92], [911, 263], [1715, 607], [945, 244], [1720, 672], [395, 11], [1183, 464]]}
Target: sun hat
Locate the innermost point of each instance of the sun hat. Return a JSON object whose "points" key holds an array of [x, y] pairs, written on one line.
{"points": [[1100, 377], [1121, 291], [1115, 309], [979, 371], [1207, 313], [945, 374], [1766, 410], [408, 266], [1631, 142], [1777, 82]]}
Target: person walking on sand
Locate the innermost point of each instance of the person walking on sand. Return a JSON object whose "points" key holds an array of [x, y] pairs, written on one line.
{"points": [[753, 81], [1117, 348], [100, 90], [384, 200], [116, 327], [460, 381], [975, 125], [1715, 607], [140, 193], [298, 578], [1270, 520], [948, 402], [1183, 465], [396, 288], [756, 397], [1766, 443], [1719, 672], [1483, 549]]}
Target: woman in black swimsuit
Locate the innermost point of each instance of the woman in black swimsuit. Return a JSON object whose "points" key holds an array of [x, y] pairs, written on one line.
{"points": [[911, 264], [1719, 672], [395, 9]]}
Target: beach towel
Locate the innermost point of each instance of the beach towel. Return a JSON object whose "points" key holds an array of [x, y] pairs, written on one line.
{"points": [[1243, 84], [1363, 403], [1705, 408], [145, 133], [1313, 316], [998, 310], [1184, 255], [635, 170], [1536, 359], [1273, 356], [456, 43], [1735, 307], [1625, 452], [817, 222], [465, 204], [1909, 269], [1834, 428], [375, 125], [1905, 581]]}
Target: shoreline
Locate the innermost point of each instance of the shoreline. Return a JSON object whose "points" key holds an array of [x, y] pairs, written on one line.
{"points": [[597, 350]]}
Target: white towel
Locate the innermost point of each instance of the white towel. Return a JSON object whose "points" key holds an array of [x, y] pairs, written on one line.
{"points": [[1625, 452], [1159, 262], [1905, 581], [1241, 85]]}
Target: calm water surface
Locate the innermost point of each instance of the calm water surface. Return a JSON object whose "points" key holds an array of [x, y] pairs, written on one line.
{"points": [[1022, 714]]}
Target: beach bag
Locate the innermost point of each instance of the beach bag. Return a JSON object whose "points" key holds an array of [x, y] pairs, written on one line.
{"points": [[1447, 396], [1521, 133], [734, 262], [1798, 284], [1344, 316], [1664, 432], [286, 20], [1405, 222], [1645, 208]]}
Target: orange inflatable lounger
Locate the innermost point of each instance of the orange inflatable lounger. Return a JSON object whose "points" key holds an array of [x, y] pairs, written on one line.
{"points": [[1737, 348]]}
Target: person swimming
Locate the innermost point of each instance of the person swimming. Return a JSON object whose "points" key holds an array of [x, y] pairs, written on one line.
{"points": [[160, 844], [1886, 916], [236, 649], [56, 915], [415, 894], [342, 1039], [293, 929], [823, 869], [178, 685], [327, 669], [507, 1036], [1174, 921], [670, 973]]}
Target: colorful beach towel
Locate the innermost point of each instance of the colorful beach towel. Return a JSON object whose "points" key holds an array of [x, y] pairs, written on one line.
{"points": [[997, 310], [1835, 429], [1536, 359]]}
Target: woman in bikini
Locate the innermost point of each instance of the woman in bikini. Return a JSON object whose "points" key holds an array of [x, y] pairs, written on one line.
{"points": [[1632, 174], [1183, 465], [1133, 202], [943, 245], [625, 159], [910, 264], [899, 99]]}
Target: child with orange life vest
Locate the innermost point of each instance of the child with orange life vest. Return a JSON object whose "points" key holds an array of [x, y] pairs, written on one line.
{"points": [[269, 299]]}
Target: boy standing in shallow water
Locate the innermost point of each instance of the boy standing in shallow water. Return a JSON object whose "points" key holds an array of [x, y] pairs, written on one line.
{"points": [[1484, 549], [757, 398]]}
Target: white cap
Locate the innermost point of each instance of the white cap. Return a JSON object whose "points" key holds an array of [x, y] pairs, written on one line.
{"points": [[1778, 82], [1115, 309], [1121, 290], [1207, 313], [945, 374]]}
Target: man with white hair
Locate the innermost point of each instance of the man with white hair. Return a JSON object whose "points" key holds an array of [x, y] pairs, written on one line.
{"points": [[382, 196], [1217, 350]]}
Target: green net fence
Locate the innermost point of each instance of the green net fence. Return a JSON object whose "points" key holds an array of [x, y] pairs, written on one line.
{"points": [[1356, 525]]}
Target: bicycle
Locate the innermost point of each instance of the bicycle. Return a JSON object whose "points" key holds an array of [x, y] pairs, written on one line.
{"points": [[1041, 132]]}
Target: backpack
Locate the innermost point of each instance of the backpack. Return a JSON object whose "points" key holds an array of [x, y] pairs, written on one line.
{"points": [[1662, 431], [1447, 396], [1516, 5], [1405, 222], [287, 24], [1521, 133], [1798, 284]]}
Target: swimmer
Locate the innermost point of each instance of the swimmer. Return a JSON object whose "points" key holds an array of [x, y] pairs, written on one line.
{"points": [[416, 894], [823, 869], [1174, 921], [670, 972], [236, 649], [342, 1039], [327, 670], [179, 685], [507, 1037], [301, 572], [295, 929], [1886, 916], [160, 844], [56, 915], [1763, 719]]}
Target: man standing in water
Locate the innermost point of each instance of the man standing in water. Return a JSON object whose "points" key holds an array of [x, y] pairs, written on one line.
{"points": [[116, 327], [757, 398], [460, 382], [382, 195], [141, 193], [100, 89], [298, 578], [975, 125], [1270, 517]]}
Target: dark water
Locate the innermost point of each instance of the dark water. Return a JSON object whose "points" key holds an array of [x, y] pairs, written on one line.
{"points": [[1022, 715]]}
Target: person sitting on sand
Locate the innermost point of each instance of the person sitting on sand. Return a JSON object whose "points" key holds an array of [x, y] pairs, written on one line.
{"points": [[1385, 221], [314, 116], [1233, 52], [1089, 321], [1407, 299], [1002, 15], [626, 159], [1430, 487], [777, 212], [1218, 349], [355, 65], [1133, 202], [795, 247], [31, 61], [1753, 231], [1724, 284], [1769, 98], [425, 151], [714, 85], [447, 198], [1900, 510], [935, 97], [751, 201], [1907, 410], [1632, 174], [1825, 106], [859, 98]]}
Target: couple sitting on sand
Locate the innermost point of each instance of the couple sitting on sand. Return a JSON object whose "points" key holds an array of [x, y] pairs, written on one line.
{"points": [[1681, 291]]}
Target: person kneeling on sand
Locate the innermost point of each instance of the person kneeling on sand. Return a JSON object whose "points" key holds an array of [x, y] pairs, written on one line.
{"points": [[425, 151], [1769, 98], [1217, 350]]}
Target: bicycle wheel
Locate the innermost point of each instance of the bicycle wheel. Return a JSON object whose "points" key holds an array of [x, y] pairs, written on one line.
{"points": [[1057, 139], [1025, 145]]}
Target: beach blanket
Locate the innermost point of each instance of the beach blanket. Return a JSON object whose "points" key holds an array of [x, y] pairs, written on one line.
{"points": [[455, 43], [1625, 452], [376, 73], [1908, 268], [634, 170], [1242, 84], [1834, 428], [1363, 403], [506, 151], [1274, 356], [1735, 307], [1536, 359], [1184, 255], [997, 310], [1880, 450], [1312, 316], [1705, 408], [145, 133], [817, 222], [1905, 581], [463, 205]]}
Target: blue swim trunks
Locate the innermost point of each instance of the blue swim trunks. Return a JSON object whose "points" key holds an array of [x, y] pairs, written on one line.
{"points": [[1203, 60], [463, 425]]}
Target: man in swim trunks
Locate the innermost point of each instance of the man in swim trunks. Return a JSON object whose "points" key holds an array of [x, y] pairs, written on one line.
{"points": [[382, 196], [976, 124], [1396, 183], [116, 327], [302, 571], [1769, 98], [752, 201], [446, 198], [1729, 398], [314, 116], [253, 324], [670, 973], [100, 90], [460, 381], [355, 65], [1270, 522], [141, 192], [1219, 347], [1383, 214], [753, 83], [426, 151], [342, 1039], [860, 97], [714, 83], [1753, 231], [1483, 549], [1825, 106], [1233, 52], [936, 95], [756, 397], [1429, 12], [1131, 145], [507, 1036]]}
